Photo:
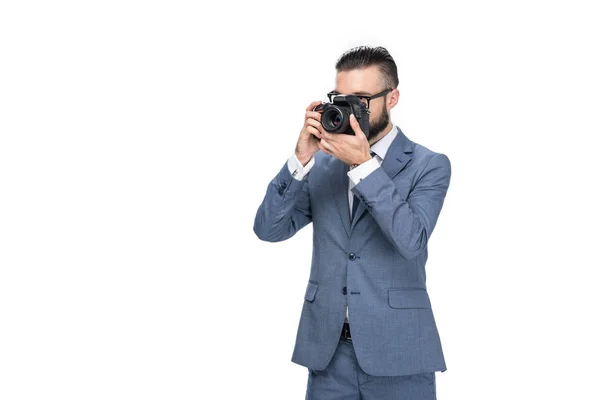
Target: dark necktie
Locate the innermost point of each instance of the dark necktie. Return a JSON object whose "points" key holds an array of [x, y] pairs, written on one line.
{"points": [[355, 201]]}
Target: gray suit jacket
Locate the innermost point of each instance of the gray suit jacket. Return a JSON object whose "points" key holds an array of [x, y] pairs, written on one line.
{"points": [[374, 264]]}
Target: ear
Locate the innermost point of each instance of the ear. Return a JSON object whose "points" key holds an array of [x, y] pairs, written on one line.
{"points": [[393, 98]]}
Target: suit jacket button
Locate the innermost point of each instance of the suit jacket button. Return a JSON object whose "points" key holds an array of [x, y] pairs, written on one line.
{"points": [[344, 290], [352, 256]]}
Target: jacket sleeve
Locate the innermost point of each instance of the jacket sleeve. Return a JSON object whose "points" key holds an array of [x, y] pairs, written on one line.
{"points": [[407, 223], [285, 208]]}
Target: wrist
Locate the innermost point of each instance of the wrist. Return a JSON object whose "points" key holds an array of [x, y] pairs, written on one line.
{"points": [[356, 164], [303, 159]]}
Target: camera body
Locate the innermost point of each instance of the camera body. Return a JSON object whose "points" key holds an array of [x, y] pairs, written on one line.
{"points": [[335, 116]]}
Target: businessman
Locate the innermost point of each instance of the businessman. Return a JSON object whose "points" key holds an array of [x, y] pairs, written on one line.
{"points": [[366, 329]]}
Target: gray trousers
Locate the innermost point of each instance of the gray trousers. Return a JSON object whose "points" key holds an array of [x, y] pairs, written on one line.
{"points": [[343, 379]]}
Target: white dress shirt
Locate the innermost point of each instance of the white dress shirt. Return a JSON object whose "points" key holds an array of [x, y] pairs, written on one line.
{"points": [[356, 174]]}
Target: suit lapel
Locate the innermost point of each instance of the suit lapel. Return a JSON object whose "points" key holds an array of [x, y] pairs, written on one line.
{"points": [[339, 187], [396, 158]]}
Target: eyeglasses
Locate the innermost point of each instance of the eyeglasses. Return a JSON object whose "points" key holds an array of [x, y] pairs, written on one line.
{"points": [[365, 99]]}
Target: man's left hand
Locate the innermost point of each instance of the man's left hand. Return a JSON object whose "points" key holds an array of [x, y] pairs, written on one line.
{"points": [[351, 149]]}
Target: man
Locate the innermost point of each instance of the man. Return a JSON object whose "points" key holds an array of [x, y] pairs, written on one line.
{"points": [[366, 329]]}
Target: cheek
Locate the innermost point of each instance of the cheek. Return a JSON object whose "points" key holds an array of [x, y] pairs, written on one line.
{"points": [[373, 117]]}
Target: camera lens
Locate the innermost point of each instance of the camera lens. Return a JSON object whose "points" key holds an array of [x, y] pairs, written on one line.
{"points": [[334, 119]]}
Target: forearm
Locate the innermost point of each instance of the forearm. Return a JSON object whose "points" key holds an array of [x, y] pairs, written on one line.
{"points": [[285, 208], [407, 222]]}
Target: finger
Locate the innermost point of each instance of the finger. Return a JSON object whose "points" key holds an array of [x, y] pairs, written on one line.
{"points": [[331, 137], [313, 114], [356, 128], [314, 131], [323, 148], [313, 105], [354, 123], [315, 123]]}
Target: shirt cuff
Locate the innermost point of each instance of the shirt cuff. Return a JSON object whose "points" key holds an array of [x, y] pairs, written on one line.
{"points": [[296, 168], [363, 170]]}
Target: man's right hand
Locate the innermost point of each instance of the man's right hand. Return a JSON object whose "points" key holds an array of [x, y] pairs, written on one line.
{"points": [[308, 144]]}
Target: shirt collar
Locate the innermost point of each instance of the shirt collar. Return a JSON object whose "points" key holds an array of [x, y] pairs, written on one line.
{"points": [[381, 147]]}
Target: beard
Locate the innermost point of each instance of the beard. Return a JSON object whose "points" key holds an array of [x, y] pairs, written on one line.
{"points": [[376, 127]]}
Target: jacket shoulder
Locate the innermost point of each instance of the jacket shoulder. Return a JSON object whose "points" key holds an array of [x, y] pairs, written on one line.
{"points": [[422, 156]]}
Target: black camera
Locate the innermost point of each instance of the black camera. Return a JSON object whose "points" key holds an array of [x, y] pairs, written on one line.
{"points": [[335, 116]]}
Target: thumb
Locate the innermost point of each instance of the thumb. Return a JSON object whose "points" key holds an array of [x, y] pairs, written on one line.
{"points": [[354, 123]]}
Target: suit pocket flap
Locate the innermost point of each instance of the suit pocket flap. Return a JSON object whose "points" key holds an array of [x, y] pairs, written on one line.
{"points": [[311, 290], [408, 298]]}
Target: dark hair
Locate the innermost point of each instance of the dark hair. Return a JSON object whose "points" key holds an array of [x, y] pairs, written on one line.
{"points": [[366, 56]]}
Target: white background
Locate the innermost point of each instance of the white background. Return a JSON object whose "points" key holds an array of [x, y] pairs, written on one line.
{"points": [[138, 140]]}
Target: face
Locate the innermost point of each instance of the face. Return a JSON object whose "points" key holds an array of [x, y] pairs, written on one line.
{"points": [[367, 82]]}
